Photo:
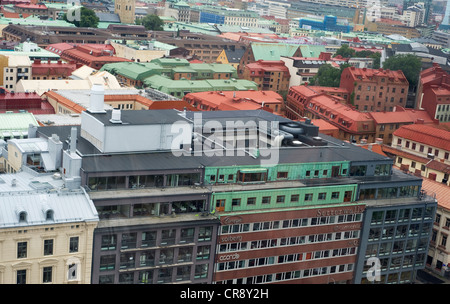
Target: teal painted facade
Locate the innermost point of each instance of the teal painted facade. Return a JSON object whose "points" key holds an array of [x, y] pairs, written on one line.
{"points": [[280, 172], [283, 198], [295, 195]]}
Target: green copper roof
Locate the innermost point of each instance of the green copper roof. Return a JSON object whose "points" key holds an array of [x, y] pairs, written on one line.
{"points": [[16, 121], [273, 51]]}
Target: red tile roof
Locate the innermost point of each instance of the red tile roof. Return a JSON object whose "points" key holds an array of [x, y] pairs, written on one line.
{"points": [[368, 74], [402, 116], [431, 135], [441, 191], [269, 65], [238, 100], [32, 6]]}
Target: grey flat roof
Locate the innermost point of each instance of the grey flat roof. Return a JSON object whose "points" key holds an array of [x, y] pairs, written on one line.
{"points": [[143, 117]]}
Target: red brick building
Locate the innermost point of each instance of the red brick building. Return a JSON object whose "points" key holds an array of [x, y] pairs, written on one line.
{"points": [[269, 75], [375, 89], [433, 93], [30, 102], [92, 55], [52, 70], [354, 126], [236, 100]]}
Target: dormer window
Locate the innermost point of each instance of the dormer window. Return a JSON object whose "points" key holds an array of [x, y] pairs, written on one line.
{"points": [[49, 215], [22, 216]]}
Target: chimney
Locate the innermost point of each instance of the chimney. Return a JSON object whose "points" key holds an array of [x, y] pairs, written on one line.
{"points": [[32, 129], [97, 99], [116, 116], [73, 140]]}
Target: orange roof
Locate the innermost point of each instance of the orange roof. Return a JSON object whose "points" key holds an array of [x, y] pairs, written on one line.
{"points": [[402, 116], [431, 135], [365, 74], [377, 148], [441, 191], [65, 102], [429, 163]]}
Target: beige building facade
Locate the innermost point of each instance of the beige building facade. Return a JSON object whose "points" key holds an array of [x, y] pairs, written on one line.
{"points": [[14, 68], [46, 236]]}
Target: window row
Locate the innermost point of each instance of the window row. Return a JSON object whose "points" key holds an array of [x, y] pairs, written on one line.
{"points": [[47, 274], [142, 181], [402, 215], [290, 275], [150, 209], [165, 237], [288, 258], [392, 278], [293, 223], [153, 258], [397, 247], [161, 275], [48, 247], [400, 231], [288, 241], [396, 263]]}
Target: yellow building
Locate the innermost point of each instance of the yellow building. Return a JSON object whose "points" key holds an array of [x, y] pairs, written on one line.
{"points": [[13, 69], [126, 10], [46, 237], [231, 57]]}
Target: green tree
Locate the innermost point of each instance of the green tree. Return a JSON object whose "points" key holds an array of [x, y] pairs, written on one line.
{"points": [[151, 23], [409, 64], [345, 51], [328, 76], [88, 18]]}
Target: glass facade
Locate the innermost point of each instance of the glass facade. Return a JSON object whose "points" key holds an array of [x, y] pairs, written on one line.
{"points": [[394, 242]]}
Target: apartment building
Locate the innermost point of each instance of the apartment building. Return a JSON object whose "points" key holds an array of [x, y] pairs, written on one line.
{"points": [[205, 47], [437, 259], [375, 89], [433, 93], [135, 73], [354, 125], [268, 75], [181, 87], [236, 100], [47, 222], [227, 16], [52, 70], [423, 150], [13, 69]]}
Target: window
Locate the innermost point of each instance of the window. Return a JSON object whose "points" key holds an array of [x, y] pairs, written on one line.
{"points": [[73, 244], [47, 274], [265, 200], [107, 262], [308, 197], [282, 175], [21, 276], [251, 201], [72, 273], [322, 196], [236, 202], [128, 240], [48, 247], [21, 250], [294, 198], [444, 240], [280, 198], [334, 195]]}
